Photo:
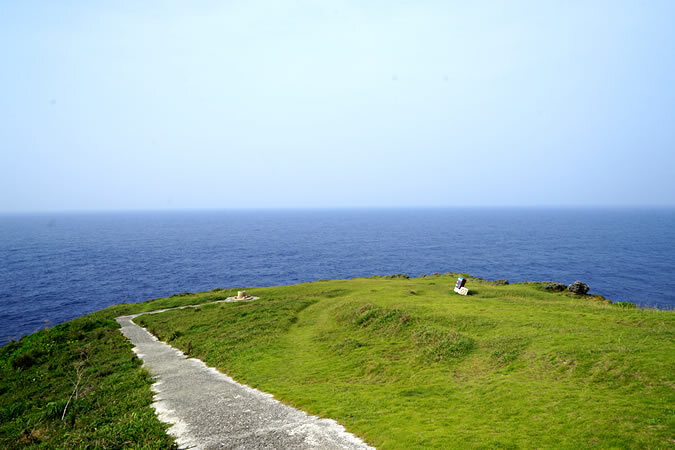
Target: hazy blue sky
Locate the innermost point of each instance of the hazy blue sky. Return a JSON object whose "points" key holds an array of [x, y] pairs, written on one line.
{"points": [[143, 104]]}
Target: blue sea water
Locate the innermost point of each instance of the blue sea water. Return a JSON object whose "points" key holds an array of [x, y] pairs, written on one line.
{"points": [[54, 267]]}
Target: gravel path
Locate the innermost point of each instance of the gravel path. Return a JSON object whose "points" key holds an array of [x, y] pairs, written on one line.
{"points": [[208, 409]]}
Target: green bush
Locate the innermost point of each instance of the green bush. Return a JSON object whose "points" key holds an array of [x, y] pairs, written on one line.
{"points": [[25, 361]]}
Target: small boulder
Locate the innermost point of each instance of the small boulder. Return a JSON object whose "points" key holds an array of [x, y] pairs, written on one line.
{"points": [[554, 286], [578, 288]]}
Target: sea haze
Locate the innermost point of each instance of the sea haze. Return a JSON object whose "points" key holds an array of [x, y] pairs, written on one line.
{"points": [[54, 267]]}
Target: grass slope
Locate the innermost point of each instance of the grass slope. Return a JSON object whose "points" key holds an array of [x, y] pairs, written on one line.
{"points": [[110, 408], [407, 363]]}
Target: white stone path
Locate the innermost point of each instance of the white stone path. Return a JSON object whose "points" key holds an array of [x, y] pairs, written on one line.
{"points": [[207, 409]]}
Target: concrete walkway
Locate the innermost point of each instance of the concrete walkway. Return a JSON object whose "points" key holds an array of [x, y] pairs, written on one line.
{"points": [[208, 409]]}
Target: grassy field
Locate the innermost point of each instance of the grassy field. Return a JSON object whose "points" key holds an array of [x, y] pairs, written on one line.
{"points": [[400, 362], [408, 363]]}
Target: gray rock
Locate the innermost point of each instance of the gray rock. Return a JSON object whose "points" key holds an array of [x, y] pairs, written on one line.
{"points": [[578, 288], [554, 286]]}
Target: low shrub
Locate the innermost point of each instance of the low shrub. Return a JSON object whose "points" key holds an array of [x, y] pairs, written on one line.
{"points": [[25, 361], [624, 304]]}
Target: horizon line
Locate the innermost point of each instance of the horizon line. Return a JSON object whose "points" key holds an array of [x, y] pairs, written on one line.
{"points": [[333, 208]]}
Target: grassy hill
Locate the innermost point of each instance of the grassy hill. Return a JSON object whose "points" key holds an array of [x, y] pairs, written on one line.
{"points": [[400, 362], [78, 384]]}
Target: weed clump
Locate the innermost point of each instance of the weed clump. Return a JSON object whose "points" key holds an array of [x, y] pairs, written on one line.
{"points": [[625, 305], [346, 345], [174, 335], [439, 345], [401, 276], [333, 293], [25, 361], [12, 410], [506, 349], [388, 321], [434, 343], [54, 410]]}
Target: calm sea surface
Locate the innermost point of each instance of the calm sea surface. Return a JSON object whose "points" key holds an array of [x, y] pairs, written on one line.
{"points": [[54, 267]]}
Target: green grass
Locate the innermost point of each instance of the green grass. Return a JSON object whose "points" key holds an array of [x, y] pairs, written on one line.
{"points": [[400, 362], [408, 363], [110, 407]]}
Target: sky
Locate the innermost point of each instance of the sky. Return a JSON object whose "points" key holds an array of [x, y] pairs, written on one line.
{"points": [[128, 105]]}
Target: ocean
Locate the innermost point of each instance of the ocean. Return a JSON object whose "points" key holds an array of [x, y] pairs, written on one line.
{"points": [[54, 267]]}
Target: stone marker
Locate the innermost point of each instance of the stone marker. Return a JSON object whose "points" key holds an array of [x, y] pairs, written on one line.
{"points": [[459, 287], [460, 283], [241, 297]]}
